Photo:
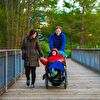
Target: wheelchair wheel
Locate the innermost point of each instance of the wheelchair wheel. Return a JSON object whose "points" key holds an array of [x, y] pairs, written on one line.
{"points": [[65, 81], [46, 80]]}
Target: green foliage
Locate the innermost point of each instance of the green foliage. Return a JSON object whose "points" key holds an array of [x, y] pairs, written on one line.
{"points": [[68, 52], [68, 5], [2, 26], [15, 21], [45, 48]]}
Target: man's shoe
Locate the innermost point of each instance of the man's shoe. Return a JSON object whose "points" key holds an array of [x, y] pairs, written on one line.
{"points": [[28, 82]]}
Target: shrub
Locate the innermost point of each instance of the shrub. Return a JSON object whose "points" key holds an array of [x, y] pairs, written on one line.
{"points": [[45, 48], [68, 52]]}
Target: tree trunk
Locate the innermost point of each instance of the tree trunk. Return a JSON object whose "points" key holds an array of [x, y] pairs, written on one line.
{"points": [[82, 25], [17, 27], [28, 14], [7, 17], [71, 42], [12, 26]]}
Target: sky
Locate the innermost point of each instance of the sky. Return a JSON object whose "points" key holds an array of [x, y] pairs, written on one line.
{"points": [[60, 3]]}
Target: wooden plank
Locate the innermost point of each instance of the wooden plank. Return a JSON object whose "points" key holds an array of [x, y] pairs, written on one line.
{"points": [[83, 84]]}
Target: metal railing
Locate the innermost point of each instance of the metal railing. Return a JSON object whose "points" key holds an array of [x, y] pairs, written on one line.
{"points": [[11, 67], [87, 57]]}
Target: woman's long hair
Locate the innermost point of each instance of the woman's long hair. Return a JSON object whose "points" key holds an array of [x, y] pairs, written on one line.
{"points": [[32, 32]]}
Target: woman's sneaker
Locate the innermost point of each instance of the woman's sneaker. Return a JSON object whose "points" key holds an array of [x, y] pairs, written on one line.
{"points": [[28, 82], [32, 86]]}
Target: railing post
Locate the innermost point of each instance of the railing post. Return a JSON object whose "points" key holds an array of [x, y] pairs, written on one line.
{"points": [[21, 64], [99, 60], [6, 80], [15, 66]]}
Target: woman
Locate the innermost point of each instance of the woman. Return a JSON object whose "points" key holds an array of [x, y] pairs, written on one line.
{"points": [[31, 52]]}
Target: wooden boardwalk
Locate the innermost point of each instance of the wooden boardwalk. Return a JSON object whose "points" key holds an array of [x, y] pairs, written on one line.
{"points": [[83, 84]]}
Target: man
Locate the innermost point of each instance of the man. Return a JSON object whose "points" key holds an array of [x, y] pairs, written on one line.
{"points": [[57, 39]]}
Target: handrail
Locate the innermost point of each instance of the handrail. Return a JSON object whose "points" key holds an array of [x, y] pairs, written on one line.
{"points": [[10, 50], [11, 67], [87, 57], [87, 49]]}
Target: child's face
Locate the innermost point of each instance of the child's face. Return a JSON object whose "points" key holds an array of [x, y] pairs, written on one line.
{"points": [[54, 53]]}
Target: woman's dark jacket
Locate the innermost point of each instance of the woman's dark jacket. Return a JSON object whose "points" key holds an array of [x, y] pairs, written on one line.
{"points": [[31, 52]]}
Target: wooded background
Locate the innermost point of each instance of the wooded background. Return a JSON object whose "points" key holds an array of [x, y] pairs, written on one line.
{"points": [[81, 23]]}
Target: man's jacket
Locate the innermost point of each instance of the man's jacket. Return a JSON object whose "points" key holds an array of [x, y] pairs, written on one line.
{"points": [[58, 42]]}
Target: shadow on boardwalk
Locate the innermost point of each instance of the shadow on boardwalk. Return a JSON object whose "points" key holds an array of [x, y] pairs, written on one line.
{"points": [[83, 84]]}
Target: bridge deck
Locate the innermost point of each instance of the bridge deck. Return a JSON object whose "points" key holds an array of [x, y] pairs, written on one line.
{"points": [[83, 84]]}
